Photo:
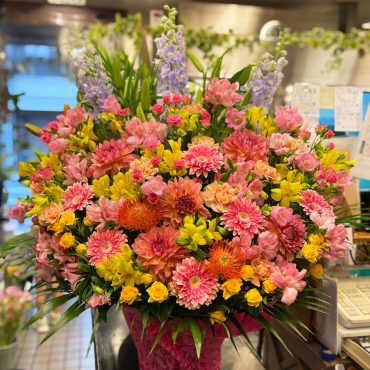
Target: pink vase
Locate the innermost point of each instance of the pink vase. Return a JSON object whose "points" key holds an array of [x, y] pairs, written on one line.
{"points": [[180, 355]]}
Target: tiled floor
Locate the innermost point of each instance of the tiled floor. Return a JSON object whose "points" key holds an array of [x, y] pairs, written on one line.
{"points": [[66, 350]]}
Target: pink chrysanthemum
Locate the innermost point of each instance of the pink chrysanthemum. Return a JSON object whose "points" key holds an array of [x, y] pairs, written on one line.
{"points": [[181, 198], [245, 145], [77, 196], [243, 217], [314, 202], [112, 155], [201, 159], [158, 251], [222, 92], [104, 243], [193, 285]]}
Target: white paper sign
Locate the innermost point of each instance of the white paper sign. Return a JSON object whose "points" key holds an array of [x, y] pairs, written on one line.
{"points": [[362, 151], [348, 108], [306, 98]]}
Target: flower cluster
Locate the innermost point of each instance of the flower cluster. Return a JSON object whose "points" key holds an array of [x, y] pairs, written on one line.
{"points": [[208, 205], [14, 304]]}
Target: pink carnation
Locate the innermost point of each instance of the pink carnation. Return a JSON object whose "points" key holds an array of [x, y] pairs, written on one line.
{"points": [[174, 119], [268, 243], [338, 243], [153, 185], [57, 146], [243, 217], [202, 159], [205, 118], [104, 243], [280, 143], [158, 108], [289, 228], [235, 119], [287, 118], [97, 300], [193, 285], [158, 251], [68, 122], [72, 273], [17, 212], [287, 277], [74, 169], [245, 145], [106, 210], [111, 105], [112, 156], [222, 92], [77, 196]]}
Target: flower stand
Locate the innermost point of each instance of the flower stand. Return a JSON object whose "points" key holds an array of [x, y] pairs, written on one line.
{"points": [[7, 356]]}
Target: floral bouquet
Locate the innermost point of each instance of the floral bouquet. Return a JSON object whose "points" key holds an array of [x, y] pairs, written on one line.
{"points": [[194, 213], [14, 304]]}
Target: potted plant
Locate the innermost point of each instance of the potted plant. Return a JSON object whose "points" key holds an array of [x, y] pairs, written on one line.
{"points": [[14, 304]]}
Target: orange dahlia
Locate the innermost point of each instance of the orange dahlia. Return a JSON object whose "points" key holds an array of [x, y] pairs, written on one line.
{"points": [[225, 260], [182, 197], [138, 215]]}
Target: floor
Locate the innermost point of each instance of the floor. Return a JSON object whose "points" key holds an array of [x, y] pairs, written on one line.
{"points": [[66, 350]]}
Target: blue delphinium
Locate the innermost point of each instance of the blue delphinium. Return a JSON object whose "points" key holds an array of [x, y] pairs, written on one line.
{"points": [[265, 79], [92, 81], [171, 61]]}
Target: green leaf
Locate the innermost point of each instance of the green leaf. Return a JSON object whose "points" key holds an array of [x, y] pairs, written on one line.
{"points": [[145, 95], [162, 330], [144, 321], [48, 307], [178, 330], [71, 313], [217, 68], [197, 335], [247, 98], [140, 113], [242, 76], [197, 64]]}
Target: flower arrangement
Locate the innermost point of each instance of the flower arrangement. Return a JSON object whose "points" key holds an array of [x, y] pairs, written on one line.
{"points": [[191, 210], [14, 304]]}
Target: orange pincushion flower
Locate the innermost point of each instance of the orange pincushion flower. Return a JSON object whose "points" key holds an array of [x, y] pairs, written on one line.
{"points": [[137, 215], [225, 260]]}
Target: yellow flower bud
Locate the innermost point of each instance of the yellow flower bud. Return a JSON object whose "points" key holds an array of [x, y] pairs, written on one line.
{"points": [[268, 286], [157, 292], [67, 218], [253, 297], [81, 249], [217, 317], [247, 272], [316, 270], [146, 279], [67, 240], [87, 222], [57, 227], [128, 294], [231, 287]]}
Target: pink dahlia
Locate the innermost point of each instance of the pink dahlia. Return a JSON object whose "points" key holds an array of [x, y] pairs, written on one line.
{"points": [[193, 285], [112, 155], [222, 92], [182, 197], [158, 251], [245, 145], [287, 277], [77, 196], [243, 217], [201, 159], [104, 243], [289, 228]]}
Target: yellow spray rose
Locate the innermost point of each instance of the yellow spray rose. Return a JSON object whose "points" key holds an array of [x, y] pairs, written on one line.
{"points": [[247, 272], [157, 292], [67, 218], [268, 286], [81, 249], [253, 297], [67, 240], [231, 287], [310, 252], [146, 279], [316, 270], [128, 294]]}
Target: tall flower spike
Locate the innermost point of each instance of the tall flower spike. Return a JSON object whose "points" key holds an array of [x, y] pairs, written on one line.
{"points": [[170, 60]]}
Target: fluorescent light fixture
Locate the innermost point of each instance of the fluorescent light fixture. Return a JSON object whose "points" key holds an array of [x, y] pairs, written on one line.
{"points": [[365, 26], [68, 2]]}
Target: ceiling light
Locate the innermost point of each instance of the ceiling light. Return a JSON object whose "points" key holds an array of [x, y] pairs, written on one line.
{"points": [[68, 2]]}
